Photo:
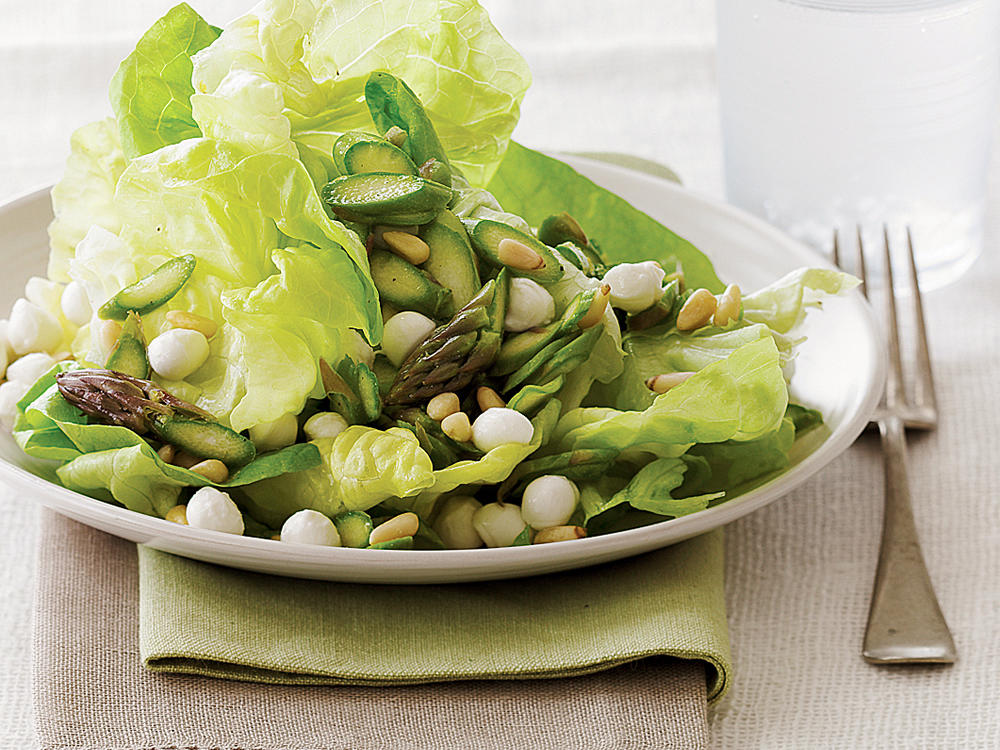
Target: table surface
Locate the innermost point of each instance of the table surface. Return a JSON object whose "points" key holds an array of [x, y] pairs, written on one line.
{"points": [[641, 80]]}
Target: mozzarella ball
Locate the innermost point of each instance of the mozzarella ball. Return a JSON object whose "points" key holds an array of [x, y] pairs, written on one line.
{"points": [[43, 292], [548, 501], [213, 509], [30, 367], [529, 306], [498, 426], [177, 352], [635, 286], [454, 522], [498, 524], [5, 340], [324, 424], [310, 527], [75, 304], [403, 333], [270, 436], [32, 329], [10, 394]]}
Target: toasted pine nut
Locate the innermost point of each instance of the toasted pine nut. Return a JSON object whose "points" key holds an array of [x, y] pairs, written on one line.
{"points": [[516, 254], [666, 381], [443, 405], [212, 469], [697, 311], [729, 306], [407, 246], [405, 524], [396, 136], [379, 230], [275, 537], [457, 427], [177, 514], [487, 398], [167, 453], [193, 321], [597, 307], [108, 332], [559, 534], [184, 460]]}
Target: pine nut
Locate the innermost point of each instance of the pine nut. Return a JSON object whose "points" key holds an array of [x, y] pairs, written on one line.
{"points": [[167, 453], [666, 381], [108, 332], [559, 534], [516, 254], [405, 524], [443, 405], [177, 514], [275, 537], [409, 247], [193, 322], [729, 306], [487, 398], [597, 307], [379, 230], [457, 427], [697, 311], [396, 136], [184, 460], [212, 469]]}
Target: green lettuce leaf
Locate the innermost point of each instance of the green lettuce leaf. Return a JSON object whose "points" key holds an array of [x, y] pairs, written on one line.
{"points": [[289, 77], [284, 281], [360, 468], [151, 90], [114, 463], [535, 186], [729, 466], [783, 304], [84, 196], [740, 398], [650, 490]]}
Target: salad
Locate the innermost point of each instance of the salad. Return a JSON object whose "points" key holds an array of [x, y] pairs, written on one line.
{"points": [[303, 286]]}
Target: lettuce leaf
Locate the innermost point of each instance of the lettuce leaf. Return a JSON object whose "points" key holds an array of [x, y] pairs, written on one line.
{"points": [[740, 398], [151, 90], [83, 198], [114, 463], [289, 76], [535, 186], [283, 280], [360, 468], [783, 304]]}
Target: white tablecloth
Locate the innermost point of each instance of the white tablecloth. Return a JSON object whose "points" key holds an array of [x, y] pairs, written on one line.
{"points": [[638, 77]]}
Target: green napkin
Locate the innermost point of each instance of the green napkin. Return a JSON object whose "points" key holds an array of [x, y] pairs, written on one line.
{"points": [[203, 619]]}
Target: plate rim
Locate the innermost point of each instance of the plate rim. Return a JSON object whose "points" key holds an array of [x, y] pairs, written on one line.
{"points": [[483, 563]]}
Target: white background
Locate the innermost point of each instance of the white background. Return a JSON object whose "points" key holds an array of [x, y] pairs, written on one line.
{"points": [[637, 76]]}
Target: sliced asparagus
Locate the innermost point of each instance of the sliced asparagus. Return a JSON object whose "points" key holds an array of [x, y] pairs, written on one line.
{"points": [[150, 291], [129, 353]]}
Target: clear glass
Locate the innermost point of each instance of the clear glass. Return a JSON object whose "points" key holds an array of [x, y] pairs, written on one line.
{"points": [[837, 113]]}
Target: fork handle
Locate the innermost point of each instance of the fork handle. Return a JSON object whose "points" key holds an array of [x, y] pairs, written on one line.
{"points": [[905, 623]]}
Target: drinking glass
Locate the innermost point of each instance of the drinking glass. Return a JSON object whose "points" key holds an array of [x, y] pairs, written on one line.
{"points": [[838, 113]]}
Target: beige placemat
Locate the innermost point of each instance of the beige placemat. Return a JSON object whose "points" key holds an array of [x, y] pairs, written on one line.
{"points": [[92, 693]]}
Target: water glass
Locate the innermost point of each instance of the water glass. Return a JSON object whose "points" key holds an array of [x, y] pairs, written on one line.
{"points": [[838, 113]]}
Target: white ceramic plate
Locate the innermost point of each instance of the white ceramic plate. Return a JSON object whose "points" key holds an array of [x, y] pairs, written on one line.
{"points": [[840, 370]]}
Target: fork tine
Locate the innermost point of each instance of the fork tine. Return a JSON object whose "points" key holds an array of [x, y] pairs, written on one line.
{"points": [[862, 269], [894, 395], [924, 385]]}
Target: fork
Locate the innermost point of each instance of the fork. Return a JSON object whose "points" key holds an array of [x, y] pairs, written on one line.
{"points": [[905, 623]]}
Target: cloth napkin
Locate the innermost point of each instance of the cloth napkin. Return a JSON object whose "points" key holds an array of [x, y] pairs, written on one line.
{"points": [[92, 693]]}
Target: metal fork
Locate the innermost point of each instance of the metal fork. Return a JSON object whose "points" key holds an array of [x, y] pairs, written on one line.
{"points": [[905, 623]]}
